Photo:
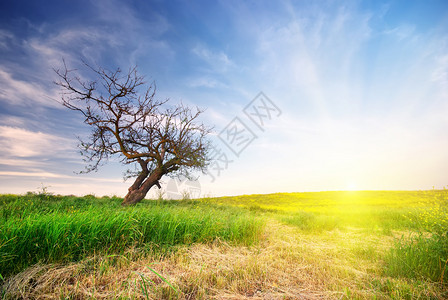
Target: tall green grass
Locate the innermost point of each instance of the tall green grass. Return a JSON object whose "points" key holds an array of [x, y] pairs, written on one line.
{"points": [[420, 257], [61, 229], [424, 255]]}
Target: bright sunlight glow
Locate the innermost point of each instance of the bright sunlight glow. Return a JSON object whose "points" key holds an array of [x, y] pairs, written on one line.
{"points": [[351, 186]]}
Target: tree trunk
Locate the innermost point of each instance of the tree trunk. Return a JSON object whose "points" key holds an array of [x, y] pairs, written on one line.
{"points": [[137, 193]]}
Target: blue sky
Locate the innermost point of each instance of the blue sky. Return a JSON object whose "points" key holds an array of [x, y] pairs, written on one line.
{"points": [[361, 89]]}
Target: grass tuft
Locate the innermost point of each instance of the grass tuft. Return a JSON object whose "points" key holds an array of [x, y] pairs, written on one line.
{"points": [[70, 229], [420, 257]]}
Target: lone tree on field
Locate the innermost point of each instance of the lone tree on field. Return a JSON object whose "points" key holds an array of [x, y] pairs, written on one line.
{"points": [[127, 120]]}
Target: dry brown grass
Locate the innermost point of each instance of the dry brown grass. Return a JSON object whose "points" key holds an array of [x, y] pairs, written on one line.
{"points": [[287, 264]]}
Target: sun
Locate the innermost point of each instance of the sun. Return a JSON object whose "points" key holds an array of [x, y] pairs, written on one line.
{"points": [[351, 186]]}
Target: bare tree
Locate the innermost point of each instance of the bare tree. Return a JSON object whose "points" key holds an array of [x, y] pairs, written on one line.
{"points": [[128, 121]]}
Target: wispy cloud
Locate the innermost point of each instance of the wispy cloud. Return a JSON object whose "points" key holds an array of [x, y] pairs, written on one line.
{"points": [[18, 92], [23, 162], [12, 121], [43, 174], [440, 73], [206, 82], [217, 61], [5, 38], [18, 142], [402, 31], [317, 57], [103, 40]]}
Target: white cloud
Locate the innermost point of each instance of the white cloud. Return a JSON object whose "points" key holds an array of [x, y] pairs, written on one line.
{"points": [[18, 142], [19, 92], [5, 38], [217, 61], [207, 82], [44, 174], [72, 44], [12, 121], [116, 31], [440, 74], [22, 162], [30, 81], [402, 32], [22, 182], [31, 174]]}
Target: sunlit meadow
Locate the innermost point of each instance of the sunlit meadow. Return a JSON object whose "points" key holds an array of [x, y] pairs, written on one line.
{"points": [[355, 244]]}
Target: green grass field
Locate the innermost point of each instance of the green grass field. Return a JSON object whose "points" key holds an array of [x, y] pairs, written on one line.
{"points": [[362, 245]]}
